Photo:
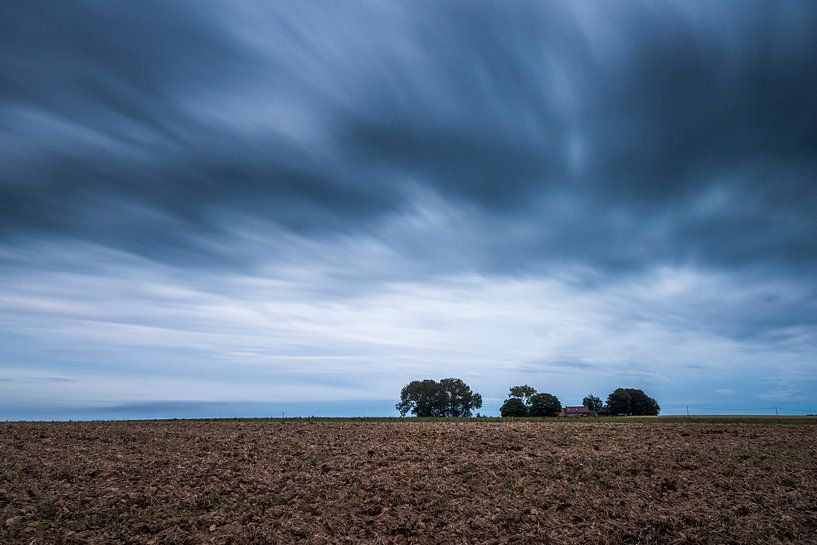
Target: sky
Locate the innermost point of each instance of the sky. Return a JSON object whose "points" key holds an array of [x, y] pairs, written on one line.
{"points": [[259, 207]]}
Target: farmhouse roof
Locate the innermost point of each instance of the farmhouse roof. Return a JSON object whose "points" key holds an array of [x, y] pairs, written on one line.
{"points": [[577, 409]]}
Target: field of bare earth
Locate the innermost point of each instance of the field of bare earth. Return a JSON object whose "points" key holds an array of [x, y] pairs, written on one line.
{"points": [[408, 482]]}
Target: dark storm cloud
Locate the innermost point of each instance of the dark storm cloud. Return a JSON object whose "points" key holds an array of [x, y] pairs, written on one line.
{"points": [[614, 136], [720, 118], [100, 143]]}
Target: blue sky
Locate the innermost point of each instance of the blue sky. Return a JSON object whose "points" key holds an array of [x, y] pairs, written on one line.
{"points": [[269, 206]]}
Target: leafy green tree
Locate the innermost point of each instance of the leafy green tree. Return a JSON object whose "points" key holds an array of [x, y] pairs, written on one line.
{"points": [[631, 401], [513, 406], [523, 392], [422, 398], [429, 398], [460, 399], [544, 405], [593, 403]]}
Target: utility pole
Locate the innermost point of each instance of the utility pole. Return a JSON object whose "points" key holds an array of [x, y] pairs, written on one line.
{"points": [[687, 410], [775, 412]]}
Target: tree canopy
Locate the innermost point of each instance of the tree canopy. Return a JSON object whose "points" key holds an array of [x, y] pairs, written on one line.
{"points": [[450, 397], [513, 406], [544, 405], [631, 401], [593, 403], [524, 401], [522, 392], [461, 400]]}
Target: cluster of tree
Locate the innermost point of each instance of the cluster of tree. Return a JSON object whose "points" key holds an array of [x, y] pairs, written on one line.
{"points": [[451, 397], [630, 402], [448, 397], [524, 401]]}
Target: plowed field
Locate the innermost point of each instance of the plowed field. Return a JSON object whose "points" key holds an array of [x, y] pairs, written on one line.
{"points": [[407, 482]]}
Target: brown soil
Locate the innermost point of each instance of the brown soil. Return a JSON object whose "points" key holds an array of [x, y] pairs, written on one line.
{"points": [[407, 482]]}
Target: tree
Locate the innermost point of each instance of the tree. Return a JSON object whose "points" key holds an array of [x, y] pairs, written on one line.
{"points": [[461, 400], [422, 398], [631, 401], [523, 392], [513, 406], [593, 403], [544, 405], [429, 398]]}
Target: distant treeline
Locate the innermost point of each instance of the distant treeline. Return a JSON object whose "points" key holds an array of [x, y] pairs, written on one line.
{"points": [[452, 397]]}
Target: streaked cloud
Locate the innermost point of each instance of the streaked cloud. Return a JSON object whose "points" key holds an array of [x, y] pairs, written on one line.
{"points": [[257, 203]]}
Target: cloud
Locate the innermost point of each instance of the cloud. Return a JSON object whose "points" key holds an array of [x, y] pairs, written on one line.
{"points": [[607, 191], [274, 336], [652, 138], [36, 379]]}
